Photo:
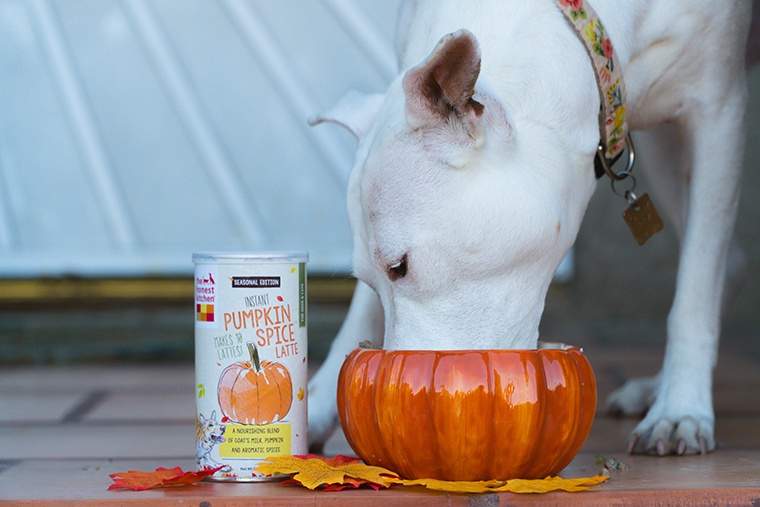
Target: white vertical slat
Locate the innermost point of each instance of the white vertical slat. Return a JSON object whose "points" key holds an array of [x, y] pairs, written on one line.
{"points": [[205, 138], [7, 229], [262, 44], [366, 34], [81, 117]]}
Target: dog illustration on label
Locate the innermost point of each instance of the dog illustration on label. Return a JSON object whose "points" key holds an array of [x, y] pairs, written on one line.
{"points": [[208, 433], [255, 392]]}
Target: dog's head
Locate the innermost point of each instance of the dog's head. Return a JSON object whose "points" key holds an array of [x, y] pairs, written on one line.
{"points": [[460, 211], [209, 430]]}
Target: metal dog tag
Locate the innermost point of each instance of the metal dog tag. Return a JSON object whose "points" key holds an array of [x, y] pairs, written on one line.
{"points": [[642, 217]]}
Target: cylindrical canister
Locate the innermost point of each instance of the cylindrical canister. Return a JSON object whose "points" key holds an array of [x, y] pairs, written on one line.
{"points": [[250, 360]]}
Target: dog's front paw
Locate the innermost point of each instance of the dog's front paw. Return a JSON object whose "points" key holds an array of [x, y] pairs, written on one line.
{"points": [[670, 430], [634, 397]]}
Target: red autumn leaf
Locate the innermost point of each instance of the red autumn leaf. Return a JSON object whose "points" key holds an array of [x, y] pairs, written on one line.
{"points": [[280, 298], [140, 480], [350, 483]]}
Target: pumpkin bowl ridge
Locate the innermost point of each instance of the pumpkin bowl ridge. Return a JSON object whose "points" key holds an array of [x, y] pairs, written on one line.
{"points": [[467, 414]]}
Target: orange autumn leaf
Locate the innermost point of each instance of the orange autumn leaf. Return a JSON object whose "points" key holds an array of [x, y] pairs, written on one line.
{"points": [[335, 474], [140, 480]]}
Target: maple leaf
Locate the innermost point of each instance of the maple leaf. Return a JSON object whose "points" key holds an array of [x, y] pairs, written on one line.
{"points": [[342, 472], [348, 483], [546, 485], [551, 484], [140, 480], [454, 486], [315, 472], [338, 459]]}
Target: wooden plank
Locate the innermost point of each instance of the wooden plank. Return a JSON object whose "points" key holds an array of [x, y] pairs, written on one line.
{"points": [[724, 478], [57, 290]]}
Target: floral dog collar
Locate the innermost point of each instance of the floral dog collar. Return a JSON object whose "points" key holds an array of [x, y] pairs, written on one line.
{"points": [[641, 214], [609, 78]]}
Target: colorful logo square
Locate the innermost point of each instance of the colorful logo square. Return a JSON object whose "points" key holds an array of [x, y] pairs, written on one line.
{"points": [[204, 312]]}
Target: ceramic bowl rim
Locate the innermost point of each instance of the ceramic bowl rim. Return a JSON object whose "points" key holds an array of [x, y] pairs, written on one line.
{"points": [[542, 346]]}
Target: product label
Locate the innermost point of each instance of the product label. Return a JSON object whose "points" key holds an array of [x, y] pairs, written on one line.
{"points": [[251, 365], [255, 442]]}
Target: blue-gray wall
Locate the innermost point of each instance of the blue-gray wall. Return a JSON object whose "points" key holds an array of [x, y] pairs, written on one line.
{"points": [[134, 132]]}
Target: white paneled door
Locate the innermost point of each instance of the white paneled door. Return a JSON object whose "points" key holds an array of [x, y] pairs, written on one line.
{"points": [[134, 132]]}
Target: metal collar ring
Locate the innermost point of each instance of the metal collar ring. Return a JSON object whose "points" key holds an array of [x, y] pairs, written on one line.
{"points": [[607, 166]]}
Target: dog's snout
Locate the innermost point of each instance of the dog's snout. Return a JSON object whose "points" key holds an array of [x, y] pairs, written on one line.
{"points": [[398, 269]]}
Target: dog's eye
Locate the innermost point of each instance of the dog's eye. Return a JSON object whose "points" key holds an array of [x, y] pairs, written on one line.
{"points": [[397, 269]]}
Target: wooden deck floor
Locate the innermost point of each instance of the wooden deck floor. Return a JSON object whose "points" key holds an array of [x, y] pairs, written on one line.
{"points": [[63, 430]]}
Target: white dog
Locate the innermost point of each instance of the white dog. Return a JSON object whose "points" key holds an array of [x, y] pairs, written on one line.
{"points": [[475, 168]]}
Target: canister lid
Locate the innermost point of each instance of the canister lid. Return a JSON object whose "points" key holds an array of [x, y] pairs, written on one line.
{"points": [[249, 257]]}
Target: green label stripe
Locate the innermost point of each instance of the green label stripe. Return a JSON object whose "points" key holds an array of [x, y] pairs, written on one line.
{"points": [[302, 294]]}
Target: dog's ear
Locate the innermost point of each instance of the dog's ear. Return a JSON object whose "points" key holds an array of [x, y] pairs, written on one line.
{"points": [[444, 83], [355, 111]]}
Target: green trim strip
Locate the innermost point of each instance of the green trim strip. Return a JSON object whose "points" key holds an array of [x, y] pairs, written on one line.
{"points": [[302, 294]]}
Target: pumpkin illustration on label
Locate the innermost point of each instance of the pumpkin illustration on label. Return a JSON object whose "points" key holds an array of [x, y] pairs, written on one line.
{"points": [[255, 392]]}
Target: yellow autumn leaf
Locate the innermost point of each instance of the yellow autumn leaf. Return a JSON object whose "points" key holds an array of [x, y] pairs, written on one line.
{"points": [[300, 394], [454, 486], [550, 484], [378, 475], [313, 472], [513, 486]]}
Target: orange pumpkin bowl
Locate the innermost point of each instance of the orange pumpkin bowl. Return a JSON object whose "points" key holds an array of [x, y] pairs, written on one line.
{"points": [[467, 415]]}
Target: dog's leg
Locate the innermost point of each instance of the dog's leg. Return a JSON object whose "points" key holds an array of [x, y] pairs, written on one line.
{"points": [[681, 420], [666, 166], [363, 322], [660, 151]]}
